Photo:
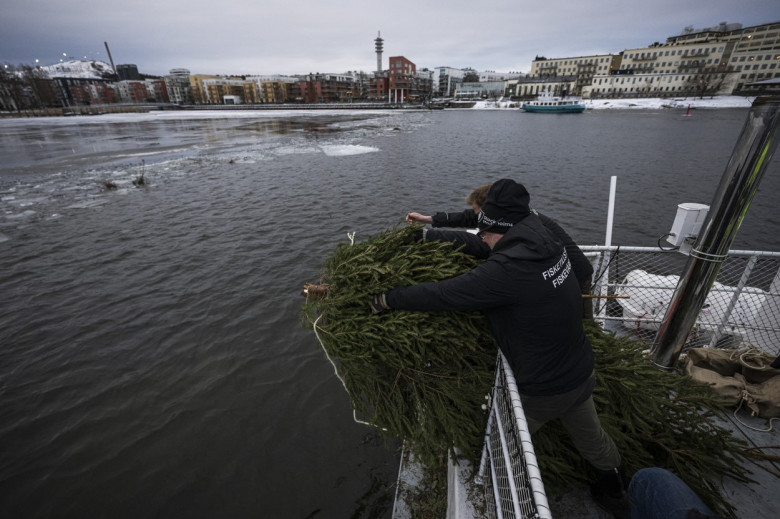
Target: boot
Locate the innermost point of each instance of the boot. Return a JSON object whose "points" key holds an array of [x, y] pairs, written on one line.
{"points": [[609, 492]]}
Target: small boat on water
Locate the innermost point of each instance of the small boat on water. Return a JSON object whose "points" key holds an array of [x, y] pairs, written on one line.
{"points": [[552, 104]]}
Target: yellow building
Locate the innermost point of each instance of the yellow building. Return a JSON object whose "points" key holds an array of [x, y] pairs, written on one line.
{"points": [[275, 88], [214, 90], [196, 85]]}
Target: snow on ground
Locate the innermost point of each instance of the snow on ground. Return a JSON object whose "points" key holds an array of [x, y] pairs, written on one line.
{"points": [[645, 103]]}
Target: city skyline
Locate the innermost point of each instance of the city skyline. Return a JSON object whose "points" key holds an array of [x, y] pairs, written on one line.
{"points": [[241, 37]]}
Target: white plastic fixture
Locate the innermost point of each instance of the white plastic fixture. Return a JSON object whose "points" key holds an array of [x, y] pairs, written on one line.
{"points": [[687, 223]]}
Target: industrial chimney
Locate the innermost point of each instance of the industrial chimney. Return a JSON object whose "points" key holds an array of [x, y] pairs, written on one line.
{"points": [[109, 57]]}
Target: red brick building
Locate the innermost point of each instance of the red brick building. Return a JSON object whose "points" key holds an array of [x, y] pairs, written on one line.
{"points": [[404, 84]]}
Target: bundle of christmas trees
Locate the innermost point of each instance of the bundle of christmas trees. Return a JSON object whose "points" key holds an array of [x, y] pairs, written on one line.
{"points": [[423, 377]]}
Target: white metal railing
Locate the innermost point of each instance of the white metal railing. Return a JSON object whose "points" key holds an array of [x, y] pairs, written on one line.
{"points": [[743, 309], [636, 284], [508, 470]]}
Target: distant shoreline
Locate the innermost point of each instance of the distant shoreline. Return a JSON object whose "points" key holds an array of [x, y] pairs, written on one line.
{"points": [[673, 103], [650, 103]]}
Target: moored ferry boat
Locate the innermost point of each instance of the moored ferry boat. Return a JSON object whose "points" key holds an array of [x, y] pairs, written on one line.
{"points": [[552, 104]]}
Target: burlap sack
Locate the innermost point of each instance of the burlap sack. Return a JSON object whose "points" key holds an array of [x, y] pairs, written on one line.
{"points": [[738, 376]]}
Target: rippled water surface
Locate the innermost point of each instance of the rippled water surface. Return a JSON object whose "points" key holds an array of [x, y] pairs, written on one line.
{"points": [[152, 358]]}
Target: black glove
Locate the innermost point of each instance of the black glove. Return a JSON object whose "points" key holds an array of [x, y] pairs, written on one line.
{"points": [[378, 303]]}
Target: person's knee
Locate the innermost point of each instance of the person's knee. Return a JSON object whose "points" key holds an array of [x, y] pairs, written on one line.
{"points": [[644, 478]]}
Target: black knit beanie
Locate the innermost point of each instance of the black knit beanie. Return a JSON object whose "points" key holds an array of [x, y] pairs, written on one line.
{"points": [[505, 205]]}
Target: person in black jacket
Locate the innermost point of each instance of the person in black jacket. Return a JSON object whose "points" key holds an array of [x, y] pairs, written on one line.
{"points": [[531, 299], [583, 269]]}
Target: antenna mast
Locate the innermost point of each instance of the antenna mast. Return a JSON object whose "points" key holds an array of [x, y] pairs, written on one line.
{"points": [[378, 45]]}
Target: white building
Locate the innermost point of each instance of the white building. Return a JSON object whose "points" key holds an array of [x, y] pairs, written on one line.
{"points": [[724, 59], [178, 84], [446, 79]]}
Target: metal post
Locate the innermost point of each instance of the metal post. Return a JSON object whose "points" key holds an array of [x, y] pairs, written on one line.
{"points": [[603, 282], [733, 301], [749, 159]]}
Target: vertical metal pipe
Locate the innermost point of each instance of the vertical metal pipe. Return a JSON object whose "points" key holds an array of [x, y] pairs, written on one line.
{"points": [[749, 159], [603, 283]]}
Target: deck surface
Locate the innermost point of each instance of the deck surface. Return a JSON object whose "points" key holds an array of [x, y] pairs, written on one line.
{"points": [[757, 500]]}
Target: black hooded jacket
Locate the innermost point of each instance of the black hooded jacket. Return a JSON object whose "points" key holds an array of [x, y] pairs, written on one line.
{"points": [[467, 219], [531, 299]]}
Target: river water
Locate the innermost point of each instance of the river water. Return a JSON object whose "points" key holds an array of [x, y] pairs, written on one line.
{"points": [[152, 357]]}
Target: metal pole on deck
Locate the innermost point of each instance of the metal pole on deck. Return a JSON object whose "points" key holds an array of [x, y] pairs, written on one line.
{"points": [[603, 286], [749, 160]]}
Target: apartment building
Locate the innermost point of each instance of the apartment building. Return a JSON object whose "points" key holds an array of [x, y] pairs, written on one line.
{"points": [[177, 83], [530, 86], [213, 90], [582, 68], [327, 88], [446, 80], [158, 90], [400, 74], [404, 83], [724, 59], [239, 91], [196, 87], [755, 56], [276, 88], [130, 91], [84, 91], [672, 68]]}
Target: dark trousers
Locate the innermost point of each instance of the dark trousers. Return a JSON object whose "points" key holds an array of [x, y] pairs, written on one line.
{"points": [[578, 415]]}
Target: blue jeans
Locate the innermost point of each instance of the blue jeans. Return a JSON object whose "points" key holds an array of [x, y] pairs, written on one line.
{"points": [[656, 493]]}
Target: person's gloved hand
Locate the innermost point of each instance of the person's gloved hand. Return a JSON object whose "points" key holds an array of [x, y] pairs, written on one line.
{"points": [[378, 303]]}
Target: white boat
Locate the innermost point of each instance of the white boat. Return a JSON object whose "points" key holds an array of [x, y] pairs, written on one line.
{"points": [[552, 104]]}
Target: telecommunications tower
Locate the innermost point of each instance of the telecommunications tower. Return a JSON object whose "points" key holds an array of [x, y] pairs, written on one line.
{"points": [[378, 45]]}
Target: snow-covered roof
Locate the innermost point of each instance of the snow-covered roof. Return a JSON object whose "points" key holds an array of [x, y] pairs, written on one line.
{"points": [[78, 69]]}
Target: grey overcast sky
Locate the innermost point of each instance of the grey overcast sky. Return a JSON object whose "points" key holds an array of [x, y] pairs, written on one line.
{"points": [[264, 37]]}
